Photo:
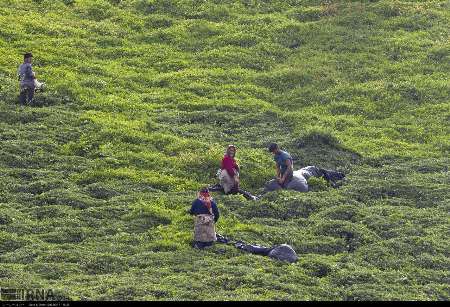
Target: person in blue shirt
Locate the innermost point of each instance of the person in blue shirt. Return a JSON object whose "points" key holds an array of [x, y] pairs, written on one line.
{"points": [[206, 215], [284, 163], [287, 178], [27, 79]]}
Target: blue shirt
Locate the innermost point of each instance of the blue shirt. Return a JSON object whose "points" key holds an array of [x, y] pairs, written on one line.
{"points": [[199, 208], [281, 158], [25, 73]]}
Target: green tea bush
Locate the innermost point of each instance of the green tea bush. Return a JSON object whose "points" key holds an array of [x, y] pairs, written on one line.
{"points": [[65, 235], [315, 266], [439, 53], [305, 14], [290, 35], [240, 39], [101, 191], [65, 198], [54, 271], [103, 264], [234, 57], [354, 235], [11, 241], [345, 212], [321, 245], [24, 255], [154, 212], [158, 21], [283, 80], [96, 11], [164, 246], [317, 184]]}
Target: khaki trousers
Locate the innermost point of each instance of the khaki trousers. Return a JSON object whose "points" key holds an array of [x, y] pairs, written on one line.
{"points": [[226, 181], [204, 230]]}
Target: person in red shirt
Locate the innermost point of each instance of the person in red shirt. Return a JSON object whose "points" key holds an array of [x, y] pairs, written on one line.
{"points": [[228, 174], [229, 171]]}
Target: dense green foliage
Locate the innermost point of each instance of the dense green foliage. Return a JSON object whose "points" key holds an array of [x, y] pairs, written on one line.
{"points": [[144, 95]]}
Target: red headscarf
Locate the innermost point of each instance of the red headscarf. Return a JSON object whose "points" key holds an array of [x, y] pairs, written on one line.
{"points": [[205, 198]]}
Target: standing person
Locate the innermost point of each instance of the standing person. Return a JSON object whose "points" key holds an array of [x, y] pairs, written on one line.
{"points": [[206, 215], [27, 79], [229, 171]]}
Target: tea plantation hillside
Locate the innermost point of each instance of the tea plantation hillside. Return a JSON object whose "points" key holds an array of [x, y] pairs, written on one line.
{"points": [[142, 98]]}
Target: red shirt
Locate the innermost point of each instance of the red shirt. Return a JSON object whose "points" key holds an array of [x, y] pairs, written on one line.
{"points": [[230, 165]]}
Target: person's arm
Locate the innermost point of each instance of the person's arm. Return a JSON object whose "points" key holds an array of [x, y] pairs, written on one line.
{"points": [[193, 209], [215, 211], [236, 175], [278, 171], [288, 171], [236, 166]]}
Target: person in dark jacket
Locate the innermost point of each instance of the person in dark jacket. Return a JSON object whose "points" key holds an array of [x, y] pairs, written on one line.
{"points": [[206, 215]]}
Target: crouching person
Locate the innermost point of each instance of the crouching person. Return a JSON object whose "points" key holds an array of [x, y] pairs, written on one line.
{"points": [[289, 179], [229, 172], [206, 215], [285, 169]]}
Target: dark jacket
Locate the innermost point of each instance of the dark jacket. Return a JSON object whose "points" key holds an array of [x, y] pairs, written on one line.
{"points": [[199, 208]]}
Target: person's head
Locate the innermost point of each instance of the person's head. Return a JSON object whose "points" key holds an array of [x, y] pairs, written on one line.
{"points": [[205, 197], [231, 151], [204, 192], [273, 148], [28, 57]]}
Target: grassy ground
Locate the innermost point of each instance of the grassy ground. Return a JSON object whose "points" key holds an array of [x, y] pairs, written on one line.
{"points": [[144, 95]]}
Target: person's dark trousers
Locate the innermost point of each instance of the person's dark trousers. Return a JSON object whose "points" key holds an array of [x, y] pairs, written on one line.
{"points": [[201, 245], [26, 95], [246, 194], [237, 190], [254, 249]]}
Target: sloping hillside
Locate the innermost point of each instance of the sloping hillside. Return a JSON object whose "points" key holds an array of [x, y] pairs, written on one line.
{"points": [[144, 95]]}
